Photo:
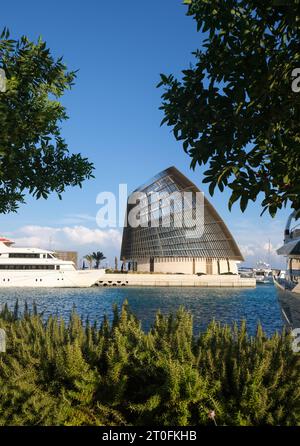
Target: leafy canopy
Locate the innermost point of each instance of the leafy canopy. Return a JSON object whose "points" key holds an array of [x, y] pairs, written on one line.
{"points": [[235, 109], [34, 157]]}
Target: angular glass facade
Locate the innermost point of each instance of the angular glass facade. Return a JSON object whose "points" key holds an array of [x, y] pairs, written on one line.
{"points": [[160, 235]]}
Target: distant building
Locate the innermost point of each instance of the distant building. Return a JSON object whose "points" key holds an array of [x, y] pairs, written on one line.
{"points": [[168, 249], [71, 256]]}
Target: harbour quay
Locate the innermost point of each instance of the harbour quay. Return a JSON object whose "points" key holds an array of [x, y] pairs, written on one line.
{"points": [[175, 280]]}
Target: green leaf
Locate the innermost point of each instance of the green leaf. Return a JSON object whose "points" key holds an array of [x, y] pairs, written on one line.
{"points": [[235, 105], [243, 203], [211, 188]]}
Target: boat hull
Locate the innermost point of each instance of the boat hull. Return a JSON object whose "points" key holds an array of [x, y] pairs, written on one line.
{"points": [[265, 281], [286, 286], [289, 300], [50, 279]]}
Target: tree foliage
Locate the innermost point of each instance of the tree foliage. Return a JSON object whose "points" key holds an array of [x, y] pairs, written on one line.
{"points": [[235, 109], [58, 373], [98, 257], [34, 158], [90, 259]]}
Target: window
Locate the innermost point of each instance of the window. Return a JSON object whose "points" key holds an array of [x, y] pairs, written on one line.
{"points": [[22, 267], [25, 255]]}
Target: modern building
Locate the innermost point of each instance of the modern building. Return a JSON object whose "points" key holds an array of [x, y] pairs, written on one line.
{"points": [[154, 247]]}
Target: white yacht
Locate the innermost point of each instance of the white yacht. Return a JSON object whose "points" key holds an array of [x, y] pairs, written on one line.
{"points": [[263, 273], [290, 283], [33, 267]]}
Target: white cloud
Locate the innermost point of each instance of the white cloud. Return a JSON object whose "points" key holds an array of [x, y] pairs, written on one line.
{"points": [[253, 240], [247, 250], [78, 238]]}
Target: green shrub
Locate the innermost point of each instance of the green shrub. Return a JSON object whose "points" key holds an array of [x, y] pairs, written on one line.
{"points": [[55, 373]]}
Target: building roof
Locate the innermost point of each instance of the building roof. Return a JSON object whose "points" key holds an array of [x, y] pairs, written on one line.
{"points": [[290, 248], [214, 241]]}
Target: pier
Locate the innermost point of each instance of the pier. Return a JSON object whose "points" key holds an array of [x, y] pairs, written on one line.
{"points": [[175, 280]]}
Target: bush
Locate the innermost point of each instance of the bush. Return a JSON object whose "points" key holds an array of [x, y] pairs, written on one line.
{"points": [[55, 373]]}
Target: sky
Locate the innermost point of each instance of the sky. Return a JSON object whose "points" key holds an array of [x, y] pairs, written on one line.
{"points": [[119, 49]]}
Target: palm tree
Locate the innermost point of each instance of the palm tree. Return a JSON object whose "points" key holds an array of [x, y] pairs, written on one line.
{"points": [[89, 258], [98, 257]]}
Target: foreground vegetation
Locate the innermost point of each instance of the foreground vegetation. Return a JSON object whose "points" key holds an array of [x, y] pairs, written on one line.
{"points": [[55, 373]]}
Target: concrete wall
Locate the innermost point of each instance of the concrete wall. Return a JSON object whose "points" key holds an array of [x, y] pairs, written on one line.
{"points": [[185, 266], [143, 266], [173, 267], [168, 280]]}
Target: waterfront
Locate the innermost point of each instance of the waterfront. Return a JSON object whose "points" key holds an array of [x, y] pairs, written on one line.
{"points": [[223, 304]]}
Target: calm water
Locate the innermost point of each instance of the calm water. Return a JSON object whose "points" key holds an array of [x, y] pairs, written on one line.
{"points": [[225, 305]]}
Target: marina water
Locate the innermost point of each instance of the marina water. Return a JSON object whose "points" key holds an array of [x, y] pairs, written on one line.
{"points": [[226, 305]]}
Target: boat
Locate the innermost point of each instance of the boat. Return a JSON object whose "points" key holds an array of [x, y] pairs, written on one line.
{"points": [[289, 301], [263, 273], [34, 267], [290, 282], [245, 272], [290, 306]]}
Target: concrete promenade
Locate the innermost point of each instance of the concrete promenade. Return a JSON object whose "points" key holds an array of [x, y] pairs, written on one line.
{"points": [[176, 280]]}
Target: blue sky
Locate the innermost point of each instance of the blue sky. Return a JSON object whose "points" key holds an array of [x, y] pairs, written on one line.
{"points": [[119, 49]]}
